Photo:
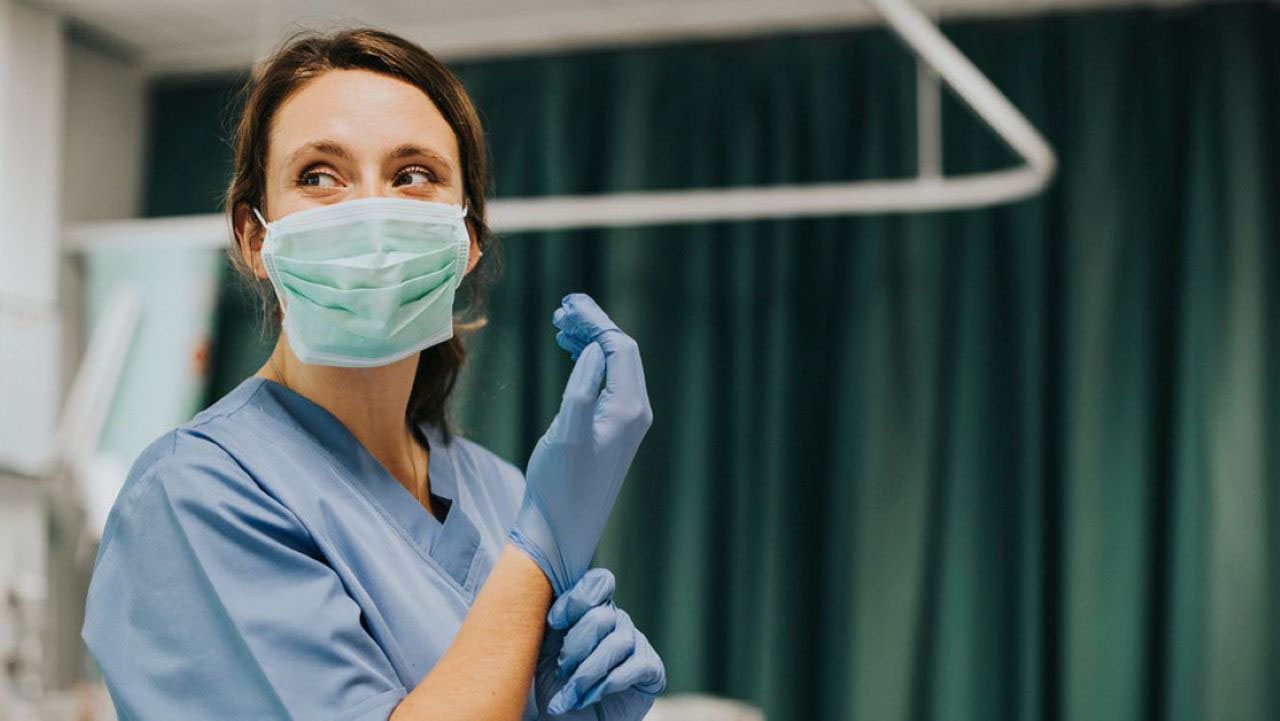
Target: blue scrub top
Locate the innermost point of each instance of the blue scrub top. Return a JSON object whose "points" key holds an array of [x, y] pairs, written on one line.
{"points": [[259, 563]]}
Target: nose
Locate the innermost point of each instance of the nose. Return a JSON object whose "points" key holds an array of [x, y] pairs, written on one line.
{"points": [[370, 184]]}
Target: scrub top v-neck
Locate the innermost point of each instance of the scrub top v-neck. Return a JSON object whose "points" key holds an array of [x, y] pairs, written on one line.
{"points": [[260, 563]]}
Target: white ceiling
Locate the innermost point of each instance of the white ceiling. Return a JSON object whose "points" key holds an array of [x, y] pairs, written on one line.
{"points": [[178, 36]]}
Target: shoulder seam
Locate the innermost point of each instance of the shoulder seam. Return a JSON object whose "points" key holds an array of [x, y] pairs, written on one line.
{"points": [[223, 414]]}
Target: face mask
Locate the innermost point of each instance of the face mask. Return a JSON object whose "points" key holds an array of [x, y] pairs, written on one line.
{"points": [[369, 281]]}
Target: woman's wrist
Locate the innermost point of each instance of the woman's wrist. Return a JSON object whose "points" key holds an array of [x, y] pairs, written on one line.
{"points": [[527, 568]]}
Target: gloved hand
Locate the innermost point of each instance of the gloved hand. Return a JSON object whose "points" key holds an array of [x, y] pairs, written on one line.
{"points": [[577, 468], [593, 654]]}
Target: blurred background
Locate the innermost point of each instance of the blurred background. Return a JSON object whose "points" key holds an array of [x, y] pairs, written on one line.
{"points": [[1009, 462]]}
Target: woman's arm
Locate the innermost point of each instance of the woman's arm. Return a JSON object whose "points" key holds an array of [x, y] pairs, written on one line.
{"points": [[486, 672]]}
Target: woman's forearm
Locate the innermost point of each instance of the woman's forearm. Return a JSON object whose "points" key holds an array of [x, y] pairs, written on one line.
{"points": [[486, 672]]}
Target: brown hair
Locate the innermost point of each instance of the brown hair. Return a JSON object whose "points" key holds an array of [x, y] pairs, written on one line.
{"points": [[307, 55]]}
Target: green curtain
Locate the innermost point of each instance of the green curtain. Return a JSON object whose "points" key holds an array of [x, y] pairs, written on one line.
{"points": [[1017, 463]]}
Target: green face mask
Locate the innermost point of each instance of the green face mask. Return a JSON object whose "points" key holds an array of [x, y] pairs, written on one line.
{"points": [[369, 281]]}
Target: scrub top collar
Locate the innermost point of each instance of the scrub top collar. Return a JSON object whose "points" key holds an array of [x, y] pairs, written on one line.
{"points": [[450, 546]]}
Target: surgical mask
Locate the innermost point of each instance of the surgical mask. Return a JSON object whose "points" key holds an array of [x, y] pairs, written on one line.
{"points": [[369, 281]]}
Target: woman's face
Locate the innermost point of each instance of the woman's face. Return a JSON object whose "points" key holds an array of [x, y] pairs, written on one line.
{"points": [[351, 134]]}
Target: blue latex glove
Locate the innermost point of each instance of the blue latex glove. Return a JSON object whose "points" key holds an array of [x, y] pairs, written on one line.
{"points": [[577, 468], [594, 664]]}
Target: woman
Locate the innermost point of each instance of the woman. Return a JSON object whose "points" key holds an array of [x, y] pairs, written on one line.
{"points": [[318, 544]]}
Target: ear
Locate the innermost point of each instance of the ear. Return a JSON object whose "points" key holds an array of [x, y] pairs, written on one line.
{"points": [[474, 252], [249, 235]]}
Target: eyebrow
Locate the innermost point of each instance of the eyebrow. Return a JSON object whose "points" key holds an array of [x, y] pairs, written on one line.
{"points": [[409, 150], [336, 149]]}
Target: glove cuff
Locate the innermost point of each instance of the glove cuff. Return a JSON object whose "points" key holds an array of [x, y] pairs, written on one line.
{"points": [[532, 535]]}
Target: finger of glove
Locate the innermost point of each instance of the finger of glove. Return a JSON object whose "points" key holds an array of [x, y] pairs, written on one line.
{"points": [[643, 651], [612, 651], [625, 397], [549, 651], [656, 680], [580, 318], [633, 673], [546, 677], [585, 635], [620, 631], [642, 670], [627, 704], [589, 714], [595, 588], [570, 343], [577, 406], [579, 315]]}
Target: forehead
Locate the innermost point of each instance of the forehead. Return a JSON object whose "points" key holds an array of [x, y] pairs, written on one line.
{"points": [[369, 113]]}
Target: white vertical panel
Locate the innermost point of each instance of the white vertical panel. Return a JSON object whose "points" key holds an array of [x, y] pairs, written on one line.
{"points": [[30, 337], [31, 89]]}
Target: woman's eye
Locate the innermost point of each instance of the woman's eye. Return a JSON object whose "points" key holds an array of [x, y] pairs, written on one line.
{"points": [[414, 176], [317, 179]]}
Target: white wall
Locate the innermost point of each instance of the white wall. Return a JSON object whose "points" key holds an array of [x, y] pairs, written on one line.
{"points": [[105, 131]]}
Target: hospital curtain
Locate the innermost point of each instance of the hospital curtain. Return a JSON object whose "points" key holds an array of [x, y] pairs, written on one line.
{"points": [[1016, 463]]}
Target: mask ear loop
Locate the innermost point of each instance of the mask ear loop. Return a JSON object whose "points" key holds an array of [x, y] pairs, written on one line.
{"points": [[463, 217], [279, 298]]}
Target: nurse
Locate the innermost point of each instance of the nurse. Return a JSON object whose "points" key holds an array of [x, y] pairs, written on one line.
{"points": [[318, 544]]}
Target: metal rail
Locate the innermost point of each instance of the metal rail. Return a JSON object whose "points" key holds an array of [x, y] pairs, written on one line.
{"points": [[931, 190]]}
